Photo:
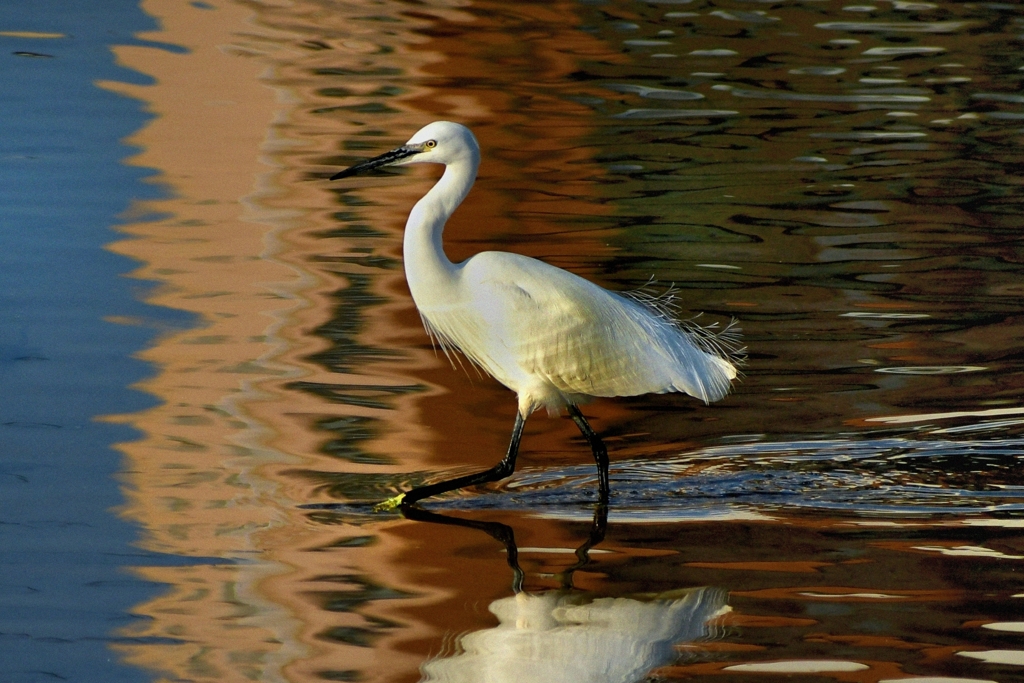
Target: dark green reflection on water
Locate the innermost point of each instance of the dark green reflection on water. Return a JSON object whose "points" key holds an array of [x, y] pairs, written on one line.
{"points": [[863, 196]]}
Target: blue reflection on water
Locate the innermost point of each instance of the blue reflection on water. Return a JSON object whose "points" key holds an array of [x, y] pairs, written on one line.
{"points": [[891, 476], [63, 586]]}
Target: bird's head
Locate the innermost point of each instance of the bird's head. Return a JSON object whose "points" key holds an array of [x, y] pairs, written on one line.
{"points": [[440, 142]]}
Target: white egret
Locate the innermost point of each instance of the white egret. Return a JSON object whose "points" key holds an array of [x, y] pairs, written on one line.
{"points": [[552, 337]]}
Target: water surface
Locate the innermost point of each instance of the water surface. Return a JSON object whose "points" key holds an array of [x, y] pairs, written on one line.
{"points": [[841, 178]]}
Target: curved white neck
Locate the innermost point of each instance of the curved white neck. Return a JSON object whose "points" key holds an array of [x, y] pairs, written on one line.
{"points": [[427, 269]]}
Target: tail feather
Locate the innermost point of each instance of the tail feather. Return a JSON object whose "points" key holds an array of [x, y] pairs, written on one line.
{"points": [[680, 360], [704, 359]]}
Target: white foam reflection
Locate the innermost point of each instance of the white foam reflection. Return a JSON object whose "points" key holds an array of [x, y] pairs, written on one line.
{"points": [[719, 52], [815, 97], [853, 596], [673, 113], [932, 370], [818, 70], [799, 666], [998, 97], [894, 26], [1011, 657], [872, 135], [985, 426], [1000, 523], [640, 42], [968, 551], [755, 17], [903, 51], [655, 93], [1007, 626], [883, 316], [930, 417]]}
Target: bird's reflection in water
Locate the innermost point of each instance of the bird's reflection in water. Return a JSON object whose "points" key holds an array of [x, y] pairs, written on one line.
{"points": [[570, 635]]}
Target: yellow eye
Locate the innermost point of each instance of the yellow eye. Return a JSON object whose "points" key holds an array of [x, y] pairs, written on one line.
{"points": [[430, 144]]}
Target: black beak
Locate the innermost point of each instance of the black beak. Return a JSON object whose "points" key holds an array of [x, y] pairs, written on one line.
{"points": [[385, 159]]}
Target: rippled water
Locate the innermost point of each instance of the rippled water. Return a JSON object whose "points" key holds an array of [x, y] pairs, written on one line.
{"points": [[842, 178]]}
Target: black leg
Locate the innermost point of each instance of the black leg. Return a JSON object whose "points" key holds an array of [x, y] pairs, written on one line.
{"points": [[597, 446], [503, 469], [597, 529], [500, 532]]}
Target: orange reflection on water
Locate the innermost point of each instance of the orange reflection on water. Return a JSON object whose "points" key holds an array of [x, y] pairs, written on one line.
{"points": [[192, 480], [273, 262]]}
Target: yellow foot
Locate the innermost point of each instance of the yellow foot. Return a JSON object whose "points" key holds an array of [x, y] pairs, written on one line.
{"points": [[389, 504]]}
